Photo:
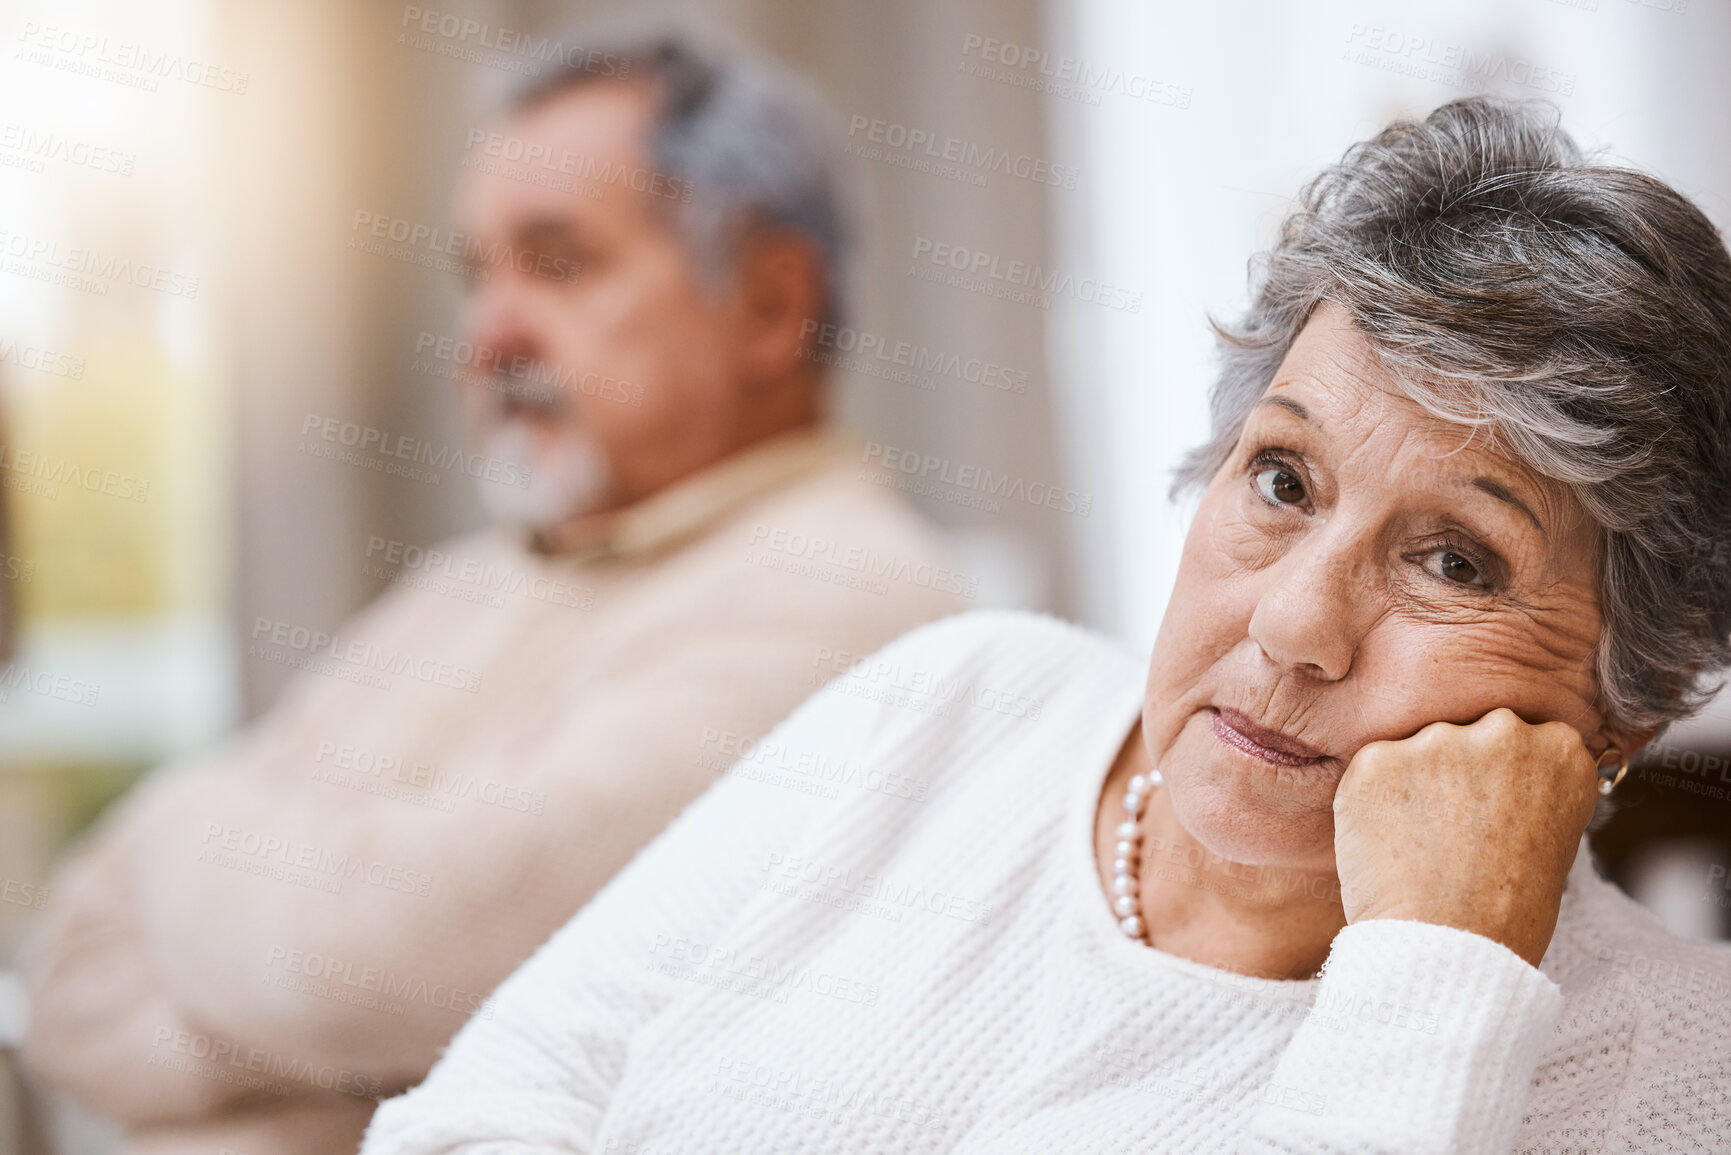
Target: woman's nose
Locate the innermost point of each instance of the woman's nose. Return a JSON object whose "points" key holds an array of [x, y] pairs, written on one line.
{"points": [[1310, 610]]}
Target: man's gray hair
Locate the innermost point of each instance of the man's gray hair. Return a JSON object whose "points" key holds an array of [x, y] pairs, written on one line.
{"points": [[1577, 314], [755, 143]]}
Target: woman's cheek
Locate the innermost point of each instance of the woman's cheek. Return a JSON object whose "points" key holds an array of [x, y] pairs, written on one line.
{"points": [[1407, 678], [1381, 709], [1241, 532]]}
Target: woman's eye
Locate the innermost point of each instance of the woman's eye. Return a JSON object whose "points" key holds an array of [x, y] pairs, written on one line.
{"points": [[1457, 567], [1281, 486]]}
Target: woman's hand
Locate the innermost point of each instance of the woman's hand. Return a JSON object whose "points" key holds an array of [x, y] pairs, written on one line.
{"points": [[1467, 826]]}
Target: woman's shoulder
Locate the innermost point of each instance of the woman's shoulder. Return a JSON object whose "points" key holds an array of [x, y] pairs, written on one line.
{"points": [[978, 676], [1021, 637], [1612, 953], [1014, 662], [1644, 1029], [1606, 931]]}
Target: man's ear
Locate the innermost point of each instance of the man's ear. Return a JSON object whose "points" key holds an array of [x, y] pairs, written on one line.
{"points": [[779, 294]]}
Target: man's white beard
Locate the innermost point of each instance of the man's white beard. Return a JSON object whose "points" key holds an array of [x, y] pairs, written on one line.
{"points": [[566, 479]]}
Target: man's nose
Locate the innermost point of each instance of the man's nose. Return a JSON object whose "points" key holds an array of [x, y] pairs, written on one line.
{"points": [[1312, 608], [498, 325]]}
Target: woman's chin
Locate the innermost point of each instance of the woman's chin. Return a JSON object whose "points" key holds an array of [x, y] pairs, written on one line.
{"points": [[1234, 829], [1253, 813]]}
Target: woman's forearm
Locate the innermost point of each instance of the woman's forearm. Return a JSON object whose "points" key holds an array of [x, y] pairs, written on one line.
{"points": [[1422, 1039]]}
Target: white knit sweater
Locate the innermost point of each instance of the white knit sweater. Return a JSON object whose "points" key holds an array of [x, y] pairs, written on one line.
{"points": [[884, 931]]}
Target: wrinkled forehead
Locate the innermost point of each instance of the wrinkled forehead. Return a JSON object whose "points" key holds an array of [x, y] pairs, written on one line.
{"points": [[1335, 391], [1375, 421]]}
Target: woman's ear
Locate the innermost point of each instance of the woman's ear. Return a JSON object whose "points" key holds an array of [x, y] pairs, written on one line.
{"points": [[1630, 742]]}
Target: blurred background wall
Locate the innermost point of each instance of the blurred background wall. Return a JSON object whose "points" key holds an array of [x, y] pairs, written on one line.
{"points": [[179, 297]]}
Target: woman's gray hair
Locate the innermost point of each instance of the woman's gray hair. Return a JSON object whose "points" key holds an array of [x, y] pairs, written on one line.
{"points": [[1578, 314], [753, 141]]}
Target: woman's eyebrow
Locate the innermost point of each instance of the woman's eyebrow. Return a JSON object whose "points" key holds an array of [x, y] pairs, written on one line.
{"points": [[1488, 484], [1501, 492], [1287, 404]]}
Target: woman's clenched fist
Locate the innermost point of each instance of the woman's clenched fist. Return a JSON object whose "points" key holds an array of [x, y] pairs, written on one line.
{"points": [[1466, 826]]}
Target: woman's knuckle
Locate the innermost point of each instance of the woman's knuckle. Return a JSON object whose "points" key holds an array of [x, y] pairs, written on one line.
{"points": [[1503, 720]]}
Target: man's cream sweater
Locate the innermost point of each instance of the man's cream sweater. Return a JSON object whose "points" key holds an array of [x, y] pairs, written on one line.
{"points": [[264, 940], [884, 932]]}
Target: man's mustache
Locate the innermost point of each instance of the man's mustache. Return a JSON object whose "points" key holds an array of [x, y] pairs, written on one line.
{"points": [[506, 393]]}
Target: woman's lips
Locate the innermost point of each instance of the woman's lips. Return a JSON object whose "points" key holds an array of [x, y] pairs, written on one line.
{"points": [[1239, 732]]}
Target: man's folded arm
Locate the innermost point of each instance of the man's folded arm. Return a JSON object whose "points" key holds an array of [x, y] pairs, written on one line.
{"points": [[104, 1026], [474, 891]]}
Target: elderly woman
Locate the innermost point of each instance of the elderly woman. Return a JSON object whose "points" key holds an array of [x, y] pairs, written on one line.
{"points": [[1316, 883]]}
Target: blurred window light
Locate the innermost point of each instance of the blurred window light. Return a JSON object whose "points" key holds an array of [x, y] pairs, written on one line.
{"points": [[111, 392]]}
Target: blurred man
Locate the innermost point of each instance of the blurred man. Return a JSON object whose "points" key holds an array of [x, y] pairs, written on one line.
{"points": [[258, 945]]}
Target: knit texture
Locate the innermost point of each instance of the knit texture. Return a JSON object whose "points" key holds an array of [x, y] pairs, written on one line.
{"points": [[884, 931]]}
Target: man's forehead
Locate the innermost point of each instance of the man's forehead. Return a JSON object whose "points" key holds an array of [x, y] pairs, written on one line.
{"points": [[542, 158], [599, 116]]}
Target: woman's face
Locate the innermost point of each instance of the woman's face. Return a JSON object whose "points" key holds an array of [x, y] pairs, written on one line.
{"points": [[1356, 571]]}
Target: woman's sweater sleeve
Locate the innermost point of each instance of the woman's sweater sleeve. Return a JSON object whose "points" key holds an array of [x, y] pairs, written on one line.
{"points": [[535, 1071], [1423, 1039]]}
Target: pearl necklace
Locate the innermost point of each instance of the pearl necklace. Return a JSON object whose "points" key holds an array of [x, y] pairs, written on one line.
{"points": [[1125, 852]]}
